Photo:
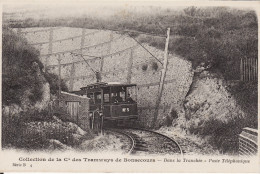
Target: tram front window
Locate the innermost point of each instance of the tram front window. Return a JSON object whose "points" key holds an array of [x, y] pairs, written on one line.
{"points": [[115, 97], [91, 98], [131, 94], [122, 95], [98, 97], [106, 98]]}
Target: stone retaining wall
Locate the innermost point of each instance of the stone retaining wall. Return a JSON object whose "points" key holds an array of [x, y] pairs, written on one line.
{"points": [[121, 59]]}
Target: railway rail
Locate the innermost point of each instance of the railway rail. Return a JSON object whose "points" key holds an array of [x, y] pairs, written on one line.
{"points": [[148, 142]]}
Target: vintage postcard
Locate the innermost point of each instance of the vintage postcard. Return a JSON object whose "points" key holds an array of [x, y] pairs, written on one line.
{"points": [[129, 86]]}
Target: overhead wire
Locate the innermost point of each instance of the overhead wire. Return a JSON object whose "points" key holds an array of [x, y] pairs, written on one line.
{"points": [[145, 49], [85, 55], [129, 31], [126, 31], [140, 32], [87, 63]]}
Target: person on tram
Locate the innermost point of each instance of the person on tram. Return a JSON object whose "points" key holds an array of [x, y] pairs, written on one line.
{"points": [[97, 121], [129, 99], [116, 98]]}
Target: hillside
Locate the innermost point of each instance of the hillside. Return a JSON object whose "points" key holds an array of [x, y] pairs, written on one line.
{"points": [[214, 37], [218, 36]]}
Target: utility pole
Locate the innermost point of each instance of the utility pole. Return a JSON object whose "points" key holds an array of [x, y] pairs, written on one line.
{"points": [[59, 81], [49, 49], [165, 63]]}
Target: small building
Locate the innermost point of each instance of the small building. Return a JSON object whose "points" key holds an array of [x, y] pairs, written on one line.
{"points": [[77, 107]]}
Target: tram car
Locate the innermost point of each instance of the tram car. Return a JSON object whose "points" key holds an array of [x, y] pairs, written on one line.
{"points": [[115, 101]]}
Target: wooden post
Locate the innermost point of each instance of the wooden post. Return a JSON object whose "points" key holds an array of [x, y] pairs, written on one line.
{"points": [[59, 80], [249, 69], [72, 74], [252, 69], [256, 69], [49, 49], [241, 69], [244, 71], [82, 42], [92, 124], [19, 31], [254, 66], [102, 122], [111, 37], [129, 67], [101, 64], [165, 63]]}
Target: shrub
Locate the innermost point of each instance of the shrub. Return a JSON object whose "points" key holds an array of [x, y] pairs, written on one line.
{"points": [[173, 114], [63, 115], [155, 66], [18, 72], [223, 136], [15, 130], [144, 67], [53, 81]]}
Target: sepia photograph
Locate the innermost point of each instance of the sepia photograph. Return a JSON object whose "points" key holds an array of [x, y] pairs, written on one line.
{"points": [[151, 83]]}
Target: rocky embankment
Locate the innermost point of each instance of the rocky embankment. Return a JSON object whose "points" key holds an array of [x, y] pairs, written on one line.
{"points": [[212, 116], [208, 99]]}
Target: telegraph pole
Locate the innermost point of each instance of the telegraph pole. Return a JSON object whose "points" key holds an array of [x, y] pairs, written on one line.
{"points": [[165, 63]]}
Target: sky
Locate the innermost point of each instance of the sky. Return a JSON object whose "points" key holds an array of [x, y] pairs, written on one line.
{"points": [[103, 9], [78, 9]]}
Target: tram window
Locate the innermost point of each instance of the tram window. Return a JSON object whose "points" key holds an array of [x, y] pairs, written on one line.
{"points": [[91, 98], [98, 97], [122, 95], [115, 97], [106, 98]]}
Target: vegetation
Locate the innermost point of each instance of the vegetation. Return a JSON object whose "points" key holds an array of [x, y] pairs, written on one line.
{"points": [[20, 74], [22, 82], [155, 66], [144, 67], [53, 81], [246, 96], [224, 135], [34, 130]]}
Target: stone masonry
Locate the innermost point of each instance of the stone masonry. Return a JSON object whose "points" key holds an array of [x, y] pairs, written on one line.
{"points": [[119, 58]]}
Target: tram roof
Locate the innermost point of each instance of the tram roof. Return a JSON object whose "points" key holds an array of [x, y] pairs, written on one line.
{"points": [[110, 84]]}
